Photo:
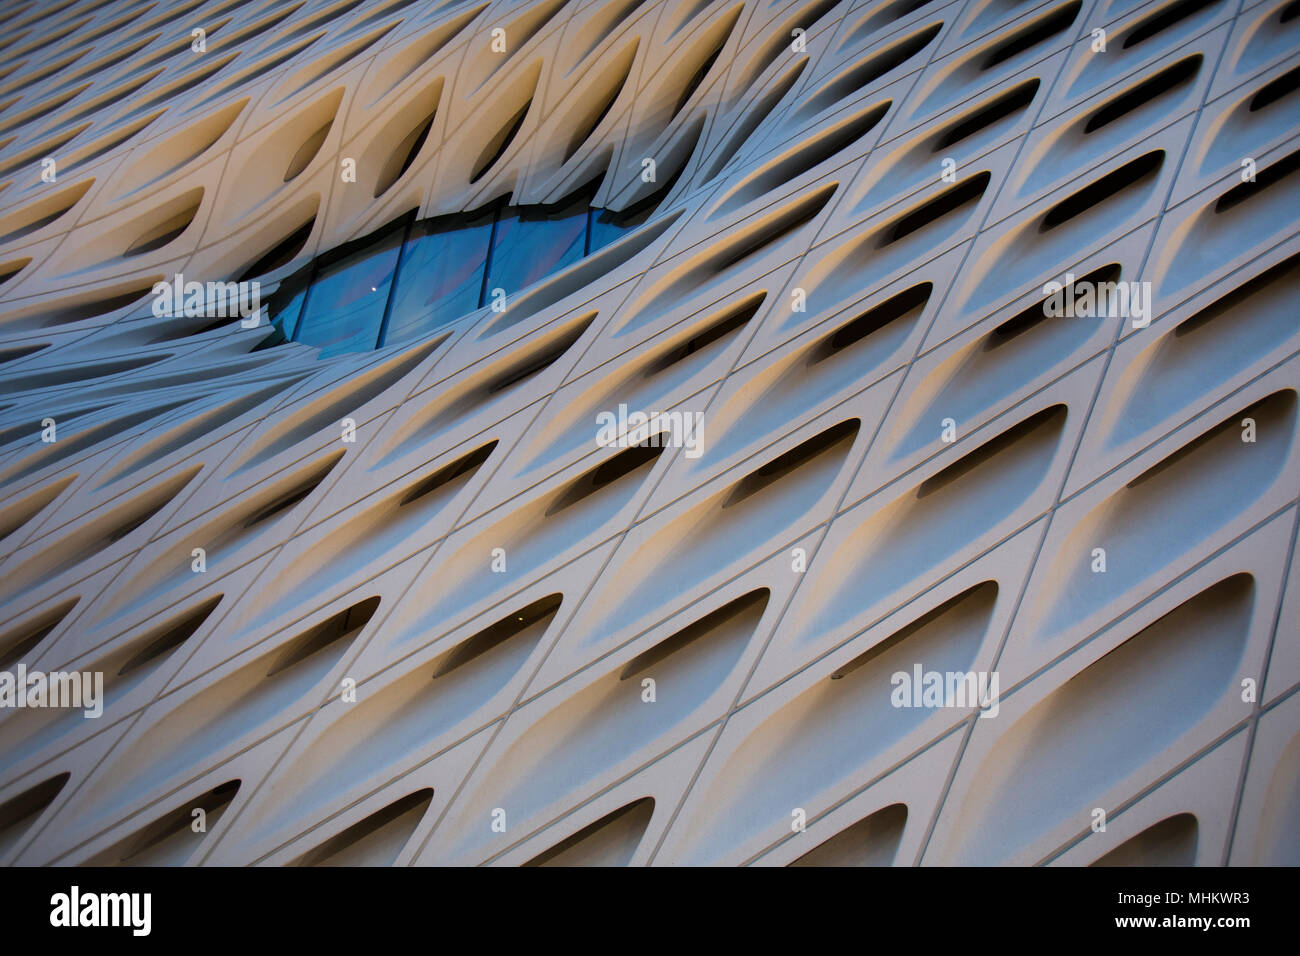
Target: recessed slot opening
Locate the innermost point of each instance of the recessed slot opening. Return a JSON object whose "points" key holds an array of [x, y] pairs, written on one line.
{"points": [[344, 624], [1129, 176], [788, 462]]}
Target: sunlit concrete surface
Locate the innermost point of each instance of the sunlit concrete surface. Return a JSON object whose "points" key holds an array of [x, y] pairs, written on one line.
{"points": [[957, 527]]}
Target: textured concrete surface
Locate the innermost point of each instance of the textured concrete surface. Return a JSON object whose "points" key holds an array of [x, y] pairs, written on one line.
{"points": [[434, 620]]}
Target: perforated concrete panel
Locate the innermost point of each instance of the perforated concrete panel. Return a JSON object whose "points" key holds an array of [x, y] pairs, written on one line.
{"points": [[958, 524]]}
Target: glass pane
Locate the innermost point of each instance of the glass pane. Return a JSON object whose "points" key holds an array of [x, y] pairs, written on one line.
{"points": [[441, 275], [286, 304], [346, 304], [530, 244], [608, 226]]}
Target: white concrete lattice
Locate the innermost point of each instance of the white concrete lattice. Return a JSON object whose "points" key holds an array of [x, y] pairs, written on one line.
{"points": [[811, 283]]}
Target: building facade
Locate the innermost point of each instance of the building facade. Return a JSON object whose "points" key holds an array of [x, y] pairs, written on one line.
{"points": [[602, 432]]}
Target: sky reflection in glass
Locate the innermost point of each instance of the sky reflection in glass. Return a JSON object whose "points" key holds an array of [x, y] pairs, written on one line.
{"points": [[410, 278]]}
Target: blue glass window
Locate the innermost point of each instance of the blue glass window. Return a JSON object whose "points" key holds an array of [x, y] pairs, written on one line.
{"points": [[287, 306], [530, 244], [441, 275], [608, 226], [345, 306], [410, 278]]}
